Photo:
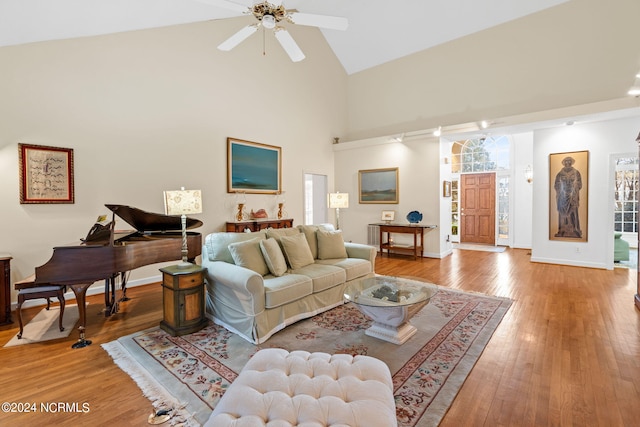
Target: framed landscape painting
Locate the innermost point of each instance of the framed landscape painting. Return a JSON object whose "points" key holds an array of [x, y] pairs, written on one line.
{"points": [[568, 201], [253, 167], [46, 174], [378, 185]]}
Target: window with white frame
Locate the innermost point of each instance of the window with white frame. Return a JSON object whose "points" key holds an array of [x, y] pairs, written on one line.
{"points": [[626, 195]]}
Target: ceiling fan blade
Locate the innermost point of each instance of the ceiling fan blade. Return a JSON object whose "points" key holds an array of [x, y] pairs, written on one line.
{"points": [[322, 21], [289, 45], [240, 8], [238, 37]]}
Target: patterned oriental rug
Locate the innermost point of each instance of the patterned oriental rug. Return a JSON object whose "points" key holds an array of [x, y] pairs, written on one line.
{"points": [[192, 372]]}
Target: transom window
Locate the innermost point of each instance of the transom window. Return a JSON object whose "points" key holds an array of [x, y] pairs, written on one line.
{"points": [[480, 155]]}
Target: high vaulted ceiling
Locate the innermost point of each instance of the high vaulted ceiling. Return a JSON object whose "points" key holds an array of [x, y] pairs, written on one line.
{"points": [[379, 30]]}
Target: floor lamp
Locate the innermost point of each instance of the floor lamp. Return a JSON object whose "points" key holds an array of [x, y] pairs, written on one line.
{"points": [[183, 202], [338, 201]]}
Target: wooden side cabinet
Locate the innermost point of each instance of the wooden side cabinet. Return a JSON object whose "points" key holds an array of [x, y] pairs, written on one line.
{"points": [[258, 224], [5, 289], [183, 299]]}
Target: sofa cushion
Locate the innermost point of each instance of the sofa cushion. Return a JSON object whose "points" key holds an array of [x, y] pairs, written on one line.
{"points": [[330, 244], [247, 254], [323, 276], [285, 289], [297, 251], [273, 256], [354, 267], [309, 232], [218, 244], [277, 233]]}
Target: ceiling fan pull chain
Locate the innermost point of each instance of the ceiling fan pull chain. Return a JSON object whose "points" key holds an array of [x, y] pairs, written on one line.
{"points": [[264, 44]]}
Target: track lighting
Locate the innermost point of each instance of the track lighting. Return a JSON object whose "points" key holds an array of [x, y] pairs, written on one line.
{"points": [[438, 131]]}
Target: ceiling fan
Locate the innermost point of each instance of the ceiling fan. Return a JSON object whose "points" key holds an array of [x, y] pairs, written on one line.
{"points": [[269, 15]]}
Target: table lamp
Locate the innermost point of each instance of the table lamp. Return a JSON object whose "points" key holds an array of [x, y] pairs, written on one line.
{"points": [[182, 202], [338, 201]]}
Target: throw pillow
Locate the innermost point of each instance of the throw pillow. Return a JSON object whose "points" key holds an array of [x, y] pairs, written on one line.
{"points": [[296, 250], [276, 233], [310, 233], [273, 257], [330, 244], [248, 255]]}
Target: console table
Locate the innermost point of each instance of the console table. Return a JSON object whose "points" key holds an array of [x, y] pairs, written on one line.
{"points": [[5, 289], [258, 224], [417, 230]]}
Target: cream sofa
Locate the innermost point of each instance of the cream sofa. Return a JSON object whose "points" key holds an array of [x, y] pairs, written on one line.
{"points": [[258, 283]]}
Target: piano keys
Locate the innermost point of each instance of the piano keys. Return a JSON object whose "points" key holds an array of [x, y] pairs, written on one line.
{"points": [[108, 255]]}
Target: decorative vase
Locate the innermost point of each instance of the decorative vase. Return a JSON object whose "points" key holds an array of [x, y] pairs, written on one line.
{"points": [[240, 215]]}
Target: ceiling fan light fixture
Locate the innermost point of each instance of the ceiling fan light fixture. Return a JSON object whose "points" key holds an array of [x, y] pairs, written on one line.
{"points": [[268, 22]]}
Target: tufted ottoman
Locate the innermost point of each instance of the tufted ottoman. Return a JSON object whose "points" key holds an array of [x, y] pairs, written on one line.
{"points": [[277, 388]]}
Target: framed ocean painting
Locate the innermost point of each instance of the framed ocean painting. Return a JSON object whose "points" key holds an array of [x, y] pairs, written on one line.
{"points": [[253, 167]]}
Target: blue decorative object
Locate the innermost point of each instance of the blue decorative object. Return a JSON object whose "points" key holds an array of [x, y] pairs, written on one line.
{"points": [[414, 217]]}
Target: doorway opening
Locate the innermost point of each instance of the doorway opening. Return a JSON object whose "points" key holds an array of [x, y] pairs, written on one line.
{"points": [[473, 163], [315, 199]]}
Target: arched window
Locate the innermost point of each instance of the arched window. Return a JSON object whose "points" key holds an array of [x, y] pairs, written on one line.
{"points": [[480, 155]]}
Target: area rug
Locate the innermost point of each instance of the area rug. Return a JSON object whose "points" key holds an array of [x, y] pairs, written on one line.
{"points": [[45, 327], [189, 374]]}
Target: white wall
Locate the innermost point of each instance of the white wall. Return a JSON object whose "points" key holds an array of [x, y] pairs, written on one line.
{"points": [[567, 55], [419, 185], [150, 110], [600, 139], [522, 191]]}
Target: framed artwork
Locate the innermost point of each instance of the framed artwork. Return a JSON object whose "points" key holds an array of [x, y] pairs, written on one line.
{"points": [[253, 167], [46, 174], [446, 188], [378, 185], [388, 216], [568, 196]]}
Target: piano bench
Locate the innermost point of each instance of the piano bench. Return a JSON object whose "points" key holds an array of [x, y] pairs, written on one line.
{"points": [[28, 290]]}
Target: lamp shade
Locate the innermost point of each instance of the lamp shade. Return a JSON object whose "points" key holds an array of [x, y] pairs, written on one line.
{"points": [[182, 202], [338, 200]]}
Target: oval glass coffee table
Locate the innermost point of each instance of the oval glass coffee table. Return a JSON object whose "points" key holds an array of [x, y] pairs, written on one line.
{"points": [[386, 300]]}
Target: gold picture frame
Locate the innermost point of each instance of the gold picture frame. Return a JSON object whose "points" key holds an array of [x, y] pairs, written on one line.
{"points": [[568, 196], [253, 167], [378, 186], [446, 188], [46, 174]]}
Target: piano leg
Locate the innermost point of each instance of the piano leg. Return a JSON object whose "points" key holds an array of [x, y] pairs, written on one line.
{"points": [[110, 302], [123, 279], [80, 291]]}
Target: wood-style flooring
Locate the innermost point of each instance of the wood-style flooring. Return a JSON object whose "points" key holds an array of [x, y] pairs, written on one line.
{"points": [[567, 352]]}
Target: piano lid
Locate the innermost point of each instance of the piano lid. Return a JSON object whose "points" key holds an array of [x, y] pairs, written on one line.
{"points": [[148, 221]]}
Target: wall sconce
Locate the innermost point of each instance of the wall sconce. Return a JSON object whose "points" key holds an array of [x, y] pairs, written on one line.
{"points": [[528, 174], [338, 201]]}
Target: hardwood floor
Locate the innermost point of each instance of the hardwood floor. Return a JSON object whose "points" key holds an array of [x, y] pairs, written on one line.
{"points": [[567, 352]]}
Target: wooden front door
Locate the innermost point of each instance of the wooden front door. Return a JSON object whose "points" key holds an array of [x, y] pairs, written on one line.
{"points": [[478, 208]]}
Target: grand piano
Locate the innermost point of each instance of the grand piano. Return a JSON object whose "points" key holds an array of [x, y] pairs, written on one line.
{"points": [[109, 255]]}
